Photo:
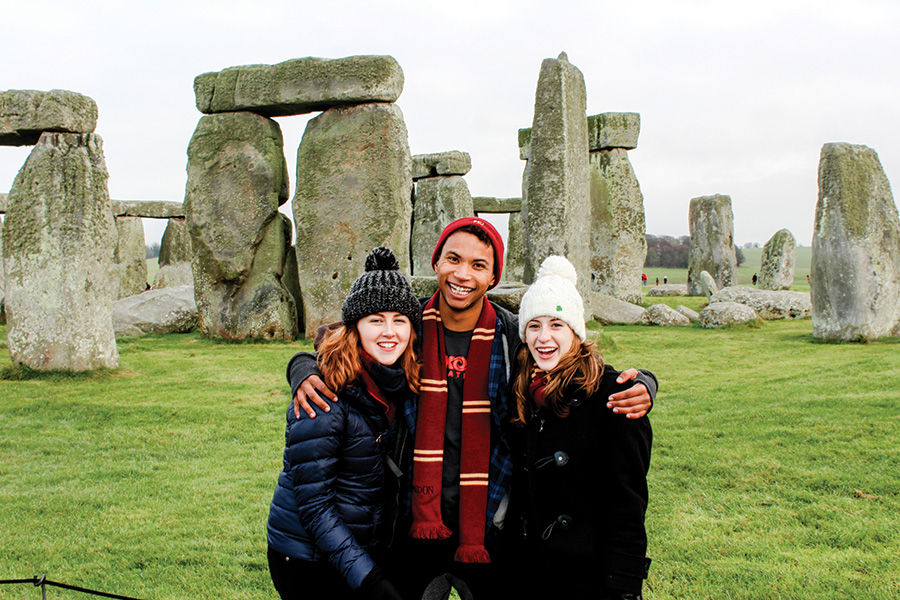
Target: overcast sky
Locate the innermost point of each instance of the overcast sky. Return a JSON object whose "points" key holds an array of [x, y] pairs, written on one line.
{"points": [[735, 98]]}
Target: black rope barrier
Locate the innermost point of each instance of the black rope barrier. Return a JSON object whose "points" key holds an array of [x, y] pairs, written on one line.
{"points": [[42, 582]]}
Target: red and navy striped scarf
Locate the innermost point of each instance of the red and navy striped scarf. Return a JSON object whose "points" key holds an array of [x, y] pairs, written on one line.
{"points": [[476, 436]]}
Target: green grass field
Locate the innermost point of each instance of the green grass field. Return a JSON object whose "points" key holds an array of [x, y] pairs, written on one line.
{"points": [[774, 471]]}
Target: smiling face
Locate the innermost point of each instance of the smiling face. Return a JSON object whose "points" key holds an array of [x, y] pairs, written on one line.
{"points": [[384, 336], [548, 339], [465, 271]]}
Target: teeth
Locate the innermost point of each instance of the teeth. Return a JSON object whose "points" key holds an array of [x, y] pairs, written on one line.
{"points": [[459, 289]]}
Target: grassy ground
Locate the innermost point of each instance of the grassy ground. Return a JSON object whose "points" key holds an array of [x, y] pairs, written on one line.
{"points": [[774, 470]]}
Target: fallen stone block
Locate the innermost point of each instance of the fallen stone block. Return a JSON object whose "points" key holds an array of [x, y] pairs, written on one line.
{"points": [[723, 313], [769, 304], [668, 289], [607, 310], [166, 310], [664, 316]]}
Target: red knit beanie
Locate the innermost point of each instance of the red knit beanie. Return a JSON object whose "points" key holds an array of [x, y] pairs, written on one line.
{"points": [[487, 228]]}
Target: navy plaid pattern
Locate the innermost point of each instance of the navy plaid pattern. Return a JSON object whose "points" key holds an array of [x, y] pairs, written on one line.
{"points": [[501, 457]]}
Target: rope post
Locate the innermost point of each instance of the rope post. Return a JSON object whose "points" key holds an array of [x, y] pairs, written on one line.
{"points": [[41, 581]]}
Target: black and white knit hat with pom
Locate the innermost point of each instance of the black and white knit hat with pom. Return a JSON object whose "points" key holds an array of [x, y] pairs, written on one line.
{"points": [[382, 288], [553, 294]]}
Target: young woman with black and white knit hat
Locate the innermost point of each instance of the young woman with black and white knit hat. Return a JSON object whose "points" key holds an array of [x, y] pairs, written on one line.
{"points": [[326, 519], [579, 490]]}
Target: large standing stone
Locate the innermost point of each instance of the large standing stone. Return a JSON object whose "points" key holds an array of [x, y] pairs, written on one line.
{"points": [[779, 255], [2, 285], [514, 263], [237, 179], [711, 224], [353, 194], [175, 256], [855, 269], [438, 201], [58, 243], [300, 85], [129, 275], [618, 228], [26, 114], [556, 209]]}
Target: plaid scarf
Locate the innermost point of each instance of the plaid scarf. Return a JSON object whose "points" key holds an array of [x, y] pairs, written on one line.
{"points": [[476, 436]]}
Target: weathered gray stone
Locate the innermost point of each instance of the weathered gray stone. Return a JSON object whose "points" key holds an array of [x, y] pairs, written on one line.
{"points": [[668, 289], [353, 194], [508, 295], [711, 224], [169, 310], [664, 316], [777, 265], [58, 242], [174, 275], [524, 143], [3, 203], [725, 313], [487, 204], [175, 256], [768, 304], [618, 227], [855, 269], [708, 285], [424, 286], [514, 262], [437, 202], [26, 114], [291, 282], [556, 211], [2, 285], [690, 313], [607, 310], [237, 178], [300, 85], [150, 209], [129, 269], [613, 130], [453, 162]]}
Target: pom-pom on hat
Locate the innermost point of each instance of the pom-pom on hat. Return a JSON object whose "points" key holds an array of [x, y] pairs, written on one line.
{"points": [[489, 230], [382, 288], [553, 294]]}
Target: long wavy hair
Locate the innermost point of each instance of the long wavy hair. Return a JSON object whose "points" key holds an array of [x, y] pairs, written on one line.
{"points": [[340, 363], [579, 371]]}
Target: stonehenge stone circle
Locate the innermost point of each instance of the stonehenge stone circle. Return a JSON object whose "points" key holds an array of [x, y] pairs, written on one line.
{"points": [[779, 255], [668, 289], [153, 209], [26, 114], [300, 85], [129, 275], [438, 201], [237, 179], [353, 193], [855, 268], [711, 224], [514, 263], [618, 228], [2, 285], [58, 242], [556, 208]]}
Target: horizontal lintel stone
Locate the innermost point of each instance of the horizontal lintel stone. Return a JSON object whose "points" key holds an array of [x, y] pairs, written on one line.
{"points": [[613, 130], [26, 114], [439, 164], [486, 204], [300, 85], [148, 209]]}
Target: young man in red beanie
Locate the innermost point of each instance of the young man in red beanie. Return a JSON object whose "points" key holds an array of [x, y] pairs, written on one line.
{"points": [[457, 463]]}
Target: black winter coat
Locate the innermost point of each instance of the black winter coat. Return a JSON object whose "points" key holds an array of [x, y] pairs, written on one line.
{"points": [[579, 494], [329, 501]]}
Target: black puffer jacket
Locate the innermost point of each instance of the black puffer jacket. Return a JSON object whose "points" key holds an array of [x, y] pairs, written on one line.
{"points": [[578, 498], [328, 504]]}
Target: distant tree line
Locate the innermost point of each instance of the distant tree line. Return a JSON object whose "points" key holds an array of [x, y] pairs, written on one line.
{"points": [[667, 252], [152, 250]]}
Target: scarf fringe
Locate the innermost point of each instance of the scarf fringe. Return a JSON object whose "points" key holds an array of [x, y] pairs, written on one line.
{"points": [[472, 554], [430, 531]]}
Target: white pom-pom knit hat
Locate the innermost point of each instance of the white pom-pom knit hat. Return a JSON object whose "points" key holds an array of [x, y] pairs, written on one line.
{"points": [[553, 294]]}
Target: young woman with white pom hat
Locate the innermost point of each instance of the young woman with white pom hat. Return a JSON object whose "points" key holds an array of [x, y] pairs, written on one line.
{"points": [[579, 491]]}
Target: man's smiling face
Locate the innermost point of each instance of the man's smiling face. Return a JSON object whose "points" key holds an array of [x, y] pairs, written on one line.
{"points": [[465, 271]]}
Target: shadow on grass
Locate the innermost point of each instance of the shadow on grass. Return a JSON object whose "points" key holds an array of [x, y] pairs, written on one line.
{"points": [[23, 373]]}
